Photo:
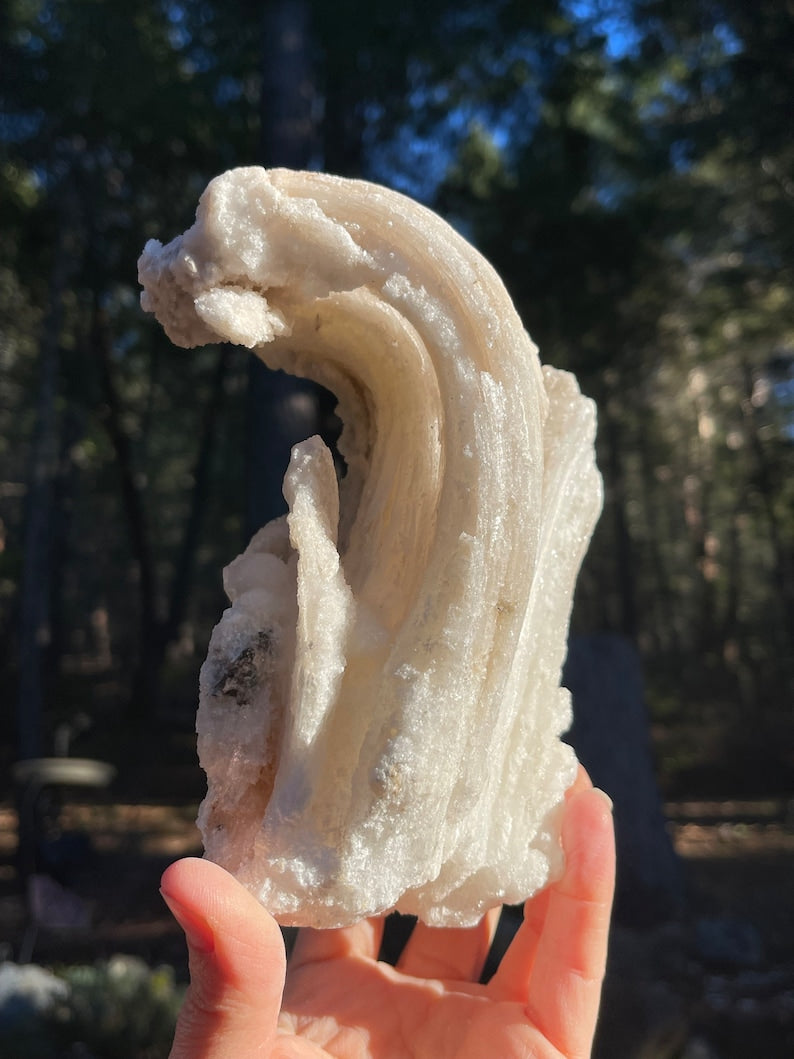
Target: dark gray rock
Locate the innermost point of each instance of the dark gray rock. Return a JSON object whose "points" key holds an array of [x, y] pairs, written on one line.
{"points": [[611, 736]]}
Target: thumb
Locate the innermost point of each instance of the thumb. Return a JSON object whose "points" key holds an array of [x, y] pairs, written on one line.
{"points": [[237, 964]]}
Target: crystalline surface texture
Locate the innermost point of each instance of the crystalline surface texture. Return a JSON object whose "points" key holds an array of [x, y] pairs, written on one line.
{"points": [[380, 711]]}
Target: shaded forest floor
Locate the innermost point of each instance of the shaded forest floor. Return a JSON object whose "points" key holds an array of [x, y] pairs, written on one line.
{"points": [[718, 984]]}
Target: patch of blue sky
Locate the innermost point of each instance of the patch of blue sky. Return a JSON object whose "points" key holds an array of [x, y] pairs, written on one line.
{"points": [[610, 18], [198, 60], [32, 43], [182, 36], [178, 37], [682, 154], [19, 127], [610, 195], [228, 90], [178, 33], [416, 163], [413, 164], [175, 12], [780, 375], [416, 160], [729, 42]]}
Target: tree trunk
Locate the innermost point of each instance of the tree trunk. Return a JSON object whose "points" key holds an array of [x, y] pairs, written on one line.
{"points": [[186, 560], [280, 410], [342, 125], [768, 489], [666, 622], [624, 551], [35, 630], [157, 632], [150, 650], [611, 736], [287, 126], [72, 431]]}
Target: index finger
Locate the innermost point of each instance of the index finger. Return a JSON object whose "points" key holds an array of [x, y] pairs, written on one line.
{"points": [[315, 946], [570, 960]]}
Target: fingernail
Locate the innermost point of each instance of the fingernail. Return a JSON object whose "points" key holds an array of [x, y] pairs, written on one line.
{"points": [[197, 930], [605, 796]]}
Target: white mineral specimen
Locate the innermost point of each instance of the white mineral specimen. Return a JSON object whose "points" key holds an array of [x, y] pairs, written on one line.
{"points": [[380, 707]]}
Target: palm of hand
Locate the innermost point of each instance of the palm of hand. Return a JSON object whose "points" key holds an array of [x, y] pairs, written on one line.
{"points": [[363, 1009], [339, 1001]]}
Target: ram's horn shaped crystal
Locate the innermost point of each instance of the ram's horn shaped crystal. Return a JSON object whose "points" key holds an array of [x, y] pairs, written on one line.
{"points": [[380, 712]]}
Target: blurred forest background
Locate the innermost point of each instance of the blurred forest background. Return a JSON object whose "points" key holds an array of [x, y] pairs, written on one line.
{"points": [[628, 167]]}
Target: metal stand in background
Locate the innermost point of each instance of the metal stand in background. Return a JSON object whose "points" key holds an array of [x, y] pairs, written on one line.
{"points": [[40, 783]]}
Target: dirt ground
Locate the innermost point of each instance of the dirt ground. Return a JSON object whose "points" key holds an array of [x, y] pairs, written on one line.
{"points": [[717, 983]]}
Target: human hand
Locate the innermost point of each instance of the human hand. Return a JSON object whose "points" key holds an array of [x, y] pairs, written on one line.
{"points": [[542, 1002]]}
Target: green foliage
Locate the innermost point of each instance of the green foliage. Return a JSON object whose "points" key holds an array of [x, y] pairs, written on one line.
{"points": [[120, 1009], [115, 1009], [644, 226]]}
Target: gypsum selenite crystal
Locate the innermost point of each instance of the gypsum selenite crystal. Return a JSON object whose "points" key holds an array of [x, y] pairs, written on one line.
{"points": [[380, 707]]}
